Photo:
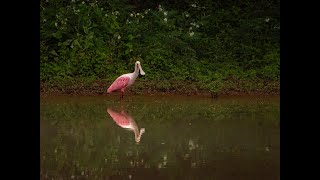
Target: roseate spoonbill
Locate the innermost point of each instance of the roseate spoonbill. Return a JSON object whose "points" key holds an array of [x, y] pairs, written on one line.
{"points": [[126, 80], [126, 121]]}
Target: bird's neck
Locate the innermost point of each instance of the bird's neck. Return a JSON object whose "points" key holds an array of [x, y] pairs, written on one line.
{"points": [[136, 71], [138, 134]]}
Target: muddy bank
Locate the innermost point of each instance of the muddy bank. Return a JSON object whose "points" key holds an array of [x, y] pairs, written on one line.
{"points": [[161, 88]]}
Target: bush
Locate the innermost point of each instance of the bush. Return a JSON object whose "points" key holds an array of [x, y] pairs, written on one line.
{"points": [[191, 42]]}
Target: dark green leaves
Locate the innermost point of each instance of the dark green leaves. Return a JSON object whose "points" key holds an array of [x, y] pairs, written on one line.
{"points": [[233, 39]]}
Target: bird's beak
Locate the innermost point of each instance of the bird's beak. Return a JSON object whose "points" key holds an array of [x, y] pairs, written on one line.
{"points": [[141, 71]]}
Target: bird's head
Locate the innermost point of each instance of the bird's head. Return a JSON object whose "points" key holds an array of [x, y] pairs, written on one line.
{"points": [[138, 65]]}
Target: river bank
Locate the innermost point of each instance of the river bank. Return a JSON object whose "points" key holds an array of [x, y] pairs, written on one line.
{"points": [[98, 87]]}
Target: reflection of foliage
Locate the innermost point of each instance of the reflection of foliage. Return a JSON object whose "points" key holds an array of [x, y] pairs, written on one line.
{"points": [[88, 143]]}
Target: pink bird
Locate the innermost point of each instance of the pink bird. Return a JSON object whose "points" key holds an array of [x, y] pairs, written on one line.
{"points": [[126, 80], [126, 121]]}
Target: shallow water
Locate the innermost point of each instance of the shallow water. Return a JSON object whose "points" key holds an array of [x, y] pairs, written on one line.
{"points": [[171, 137]]}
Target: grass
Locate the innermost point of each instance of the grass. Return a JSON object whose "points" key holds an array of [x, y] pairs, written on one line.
{"points": [[98, 87]]}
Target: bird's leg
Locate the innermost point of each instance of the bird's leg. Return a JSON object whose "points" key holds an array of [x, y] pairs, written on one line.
{"points": [[122, 93]]}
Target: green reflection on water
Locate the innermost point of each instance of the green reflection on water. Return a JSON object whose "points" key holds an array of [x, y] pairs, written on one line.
{"points": [[182, 138]]}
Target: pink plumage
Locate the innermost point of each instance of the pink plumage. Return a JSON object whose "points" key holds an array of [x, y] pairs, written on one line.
{"points": [[120, 118], [119, 83], [126, 80], [124, 120]]}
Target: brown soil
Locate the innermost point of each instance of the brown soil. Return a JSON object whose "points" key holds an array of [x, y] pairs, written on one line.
{"points": [[100, 89]]}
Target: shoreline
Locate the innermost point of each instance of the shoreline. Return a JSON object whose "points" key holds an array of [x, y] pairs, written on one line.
{"points": [[154, 89]]}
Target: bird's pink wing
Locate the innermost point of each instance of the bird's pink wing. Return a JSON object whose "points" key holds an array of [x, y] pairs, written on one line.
{"points": [[119, 118], [119, 83]]}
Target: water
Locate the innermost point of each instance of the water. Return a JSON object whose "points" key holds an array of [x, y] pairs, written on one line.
{"points": [[171, 137]]}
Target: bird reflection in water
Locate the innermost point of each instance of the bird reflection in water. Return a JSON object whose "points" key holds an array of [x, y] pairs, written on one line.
{"points": [[124, 120]]}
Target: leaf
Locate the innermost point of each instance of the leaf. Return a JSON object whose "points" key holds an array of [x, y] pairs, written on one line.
{"points": [[129, 45], [85, 29], [130, 37], [57, 35], [127, 51], [67, 42], [76, 43], [54, 53]]}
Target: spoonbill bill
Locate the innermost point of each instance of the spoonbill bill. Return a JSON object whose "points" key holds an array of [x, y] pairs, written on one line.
{"points": [[126, 80]]}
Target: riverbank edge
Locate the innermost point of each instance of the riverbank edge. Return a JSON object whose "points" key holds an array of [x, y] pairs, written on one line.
{"points": [[188, 88]]}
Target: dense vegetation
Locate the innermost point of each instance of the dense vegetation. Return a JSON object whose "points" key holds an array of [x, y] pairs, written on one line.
{"points": [[212, 45]]}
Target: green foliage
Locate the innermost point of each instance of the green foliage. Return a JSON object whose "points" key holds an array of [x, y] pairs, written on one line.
{"points": [[191, 42], [215, 86]]}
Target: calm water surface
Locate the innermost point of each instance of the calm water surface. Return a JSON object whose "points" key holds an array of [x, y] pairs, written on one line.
{"points": [[153, 137]]}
